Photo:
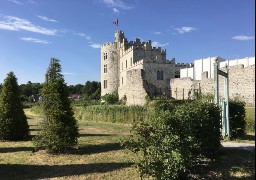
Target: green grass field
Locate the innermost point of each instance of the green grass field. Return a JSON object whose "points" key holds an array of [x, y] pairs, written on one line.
{"points": [[100, 156]]}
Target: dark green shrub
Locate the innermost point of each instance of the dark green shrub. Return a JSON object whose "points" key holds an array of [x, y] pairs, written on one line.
{"points": [[59, 130], [13, 121], [169, 146], [110, 98], [202, 121], [237, 119], [163, 104]]}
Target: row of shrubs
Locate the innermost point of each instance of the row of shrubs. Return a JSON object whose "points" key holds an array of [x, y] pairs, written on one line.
{"points": [[179, 135]]}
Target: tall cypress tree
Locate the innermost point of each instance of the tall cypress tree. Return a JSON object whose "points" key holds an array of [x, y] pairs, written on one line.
{"points": [[13, 121], [59, 129]]}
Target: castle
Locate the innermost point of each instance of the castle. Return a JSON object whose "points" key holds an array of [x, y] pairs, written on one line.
{"points": [[135, 70]]}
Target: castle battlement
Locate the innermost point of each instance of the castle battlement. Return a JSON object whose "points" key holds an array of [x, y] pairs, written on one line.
{"points": [[107, 44]]}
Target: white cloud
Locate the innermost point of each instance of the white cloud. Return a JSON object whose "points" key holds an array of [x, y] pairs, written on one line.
{"points": [[182, 30], [243, 38], [16, 2], [34, 40], [157, 44], [116, 5], [157, 32], [46, 18], [12, 23], [94, 45], [115, 10], [83, 35]]}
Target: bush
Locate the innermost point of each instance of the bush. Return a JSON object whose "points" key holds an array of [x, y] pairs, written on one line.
{"points": [[237, 119], [250, 120], [110, 98], [169, 145], [59, 130], [38, 109], [13, 121]]}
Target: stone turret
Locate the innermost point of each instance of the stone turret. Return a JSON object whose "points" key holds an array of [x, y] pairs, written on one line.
{"points": [[119, 36], [109, 68]]}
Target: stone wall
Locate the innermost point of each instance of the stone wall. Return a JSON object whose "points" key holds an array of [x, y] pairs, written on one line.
{"points": [[134, 88], [184, 88], [241, 85]]}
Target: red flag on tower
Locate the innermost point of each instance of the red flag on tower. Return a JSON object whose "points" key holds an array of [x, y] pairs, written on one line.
{"points": [[115, 22]]}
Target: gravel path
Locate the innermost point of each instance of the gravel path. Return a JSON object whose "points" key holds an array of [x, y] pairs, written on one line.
{"points": [[234, 145]]}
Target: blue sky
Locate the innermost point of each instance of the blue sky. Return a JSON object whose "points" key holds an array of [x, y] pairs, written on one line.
{"points": [[34, 31]]}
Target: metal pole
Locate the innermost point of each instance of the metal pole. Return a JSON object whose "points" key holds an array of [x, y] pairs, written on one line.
{"points": [[216, 82], [226, 90], [224, 124]]}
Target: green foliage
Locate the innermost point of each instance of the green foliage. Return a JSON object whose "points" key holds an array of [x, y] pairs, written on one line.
{"points": [[38, 109], [76, 89], [113, 113], [110, 98], [170, 144], [30, 89], [250, 119], [237, 119], [59, 130], [147, 99], [163, 104], [13, 122], [92, 90]]}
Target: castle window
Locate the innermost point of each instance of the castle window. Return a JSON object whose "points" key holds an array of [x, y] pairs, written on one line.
{"points": [[126, 64], [105, 68], [131, 61], [105, 84], [160, 75], [105, 56]]}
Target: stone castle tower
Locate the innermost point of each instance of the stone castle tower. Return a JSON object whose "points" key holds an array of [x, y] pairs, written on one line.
{"points": [[135, 69]]}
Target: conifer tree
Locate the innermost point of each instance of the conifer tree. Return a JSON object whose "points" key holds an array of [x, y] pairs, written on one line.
{"points": [[13, 121], [59, 129]]}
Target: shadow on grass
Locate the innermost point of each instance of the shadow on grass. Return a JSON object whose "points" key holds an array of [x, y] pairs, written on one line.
{"points": [[249, 137], [20, 171], [231, 164], [93, 149], [14, 149], [89, 135]]}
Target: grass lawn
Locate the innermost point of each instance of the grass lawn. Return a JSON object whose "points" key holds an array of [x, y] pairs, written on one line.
{"points": [[100, 156]]}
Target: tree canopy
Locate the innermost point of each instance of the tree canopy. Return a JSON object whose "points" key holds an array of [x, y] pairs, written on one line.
{"points": [[13, 121], [59, 128]]}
